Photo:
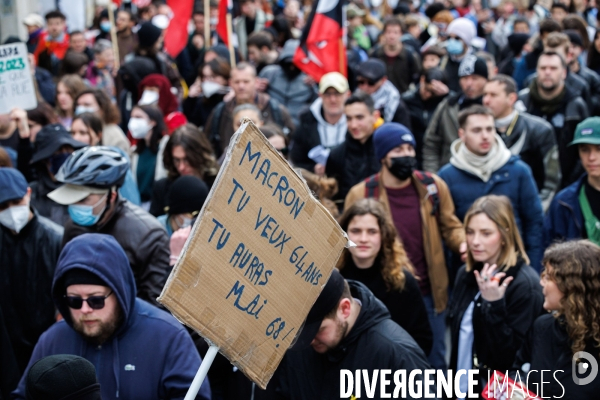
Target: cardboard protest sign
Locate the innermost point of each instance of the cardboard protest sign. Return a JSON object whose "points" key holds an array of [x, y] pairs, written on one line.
{"points": [[256, 260], [16, 83]]}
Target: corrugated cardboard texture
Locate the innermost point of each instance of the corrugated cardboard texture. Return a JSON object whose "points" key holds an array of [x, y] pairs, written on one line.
{"points": [[256, 260]]}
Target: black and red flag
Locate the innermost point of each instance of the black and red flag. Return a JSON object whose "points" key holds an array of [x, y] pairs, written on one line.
{"points": [[322, 48]]}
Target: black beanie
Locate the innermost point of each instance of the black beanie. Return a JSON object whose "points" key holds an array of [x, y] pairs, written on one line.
{"points": [[186, 195], [62, 377], [78, 276], [148, 34], [517, 41], [472, 65]]}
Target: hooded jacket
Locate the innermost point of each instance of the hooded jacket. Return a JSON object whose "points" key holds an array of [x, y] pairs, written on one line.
{"points": [[374, 342], [144, 240], [27, 262], [289, 90], [513, 180], [312, 131], [150, 356], [564, 120], [499, 327]]}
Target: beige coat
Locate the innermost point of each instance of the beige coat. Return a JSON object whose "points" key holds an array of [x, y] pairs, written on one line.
{"points": [[449, 228]]}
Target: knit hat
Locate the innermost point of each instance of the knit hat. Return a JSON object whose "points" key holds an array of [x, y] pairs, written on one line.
{"points": [[463, 28], [389, 136], [148, 34], [574, 37], [517, 41], [186, 195], [62, 377], [78, 276], [373, 69], [473, 65]]}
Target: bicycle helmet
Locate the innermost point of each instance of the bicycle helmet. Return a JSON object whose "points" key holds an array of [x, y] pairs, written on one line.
{"points": [[94, 166]]}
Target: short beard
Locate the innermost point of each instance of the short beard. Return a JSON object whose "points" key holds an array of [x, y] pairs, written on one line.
{"points": [[107, 328], [341, 331], [548, 89]]}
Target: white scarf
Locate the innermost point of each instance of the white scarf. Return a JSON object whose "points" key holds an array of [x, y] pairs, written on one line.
{"points": [[480, 166]]}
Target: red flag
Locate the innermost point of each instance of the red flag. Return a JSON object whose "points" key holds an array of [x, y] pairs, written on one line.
{"points": [[176, 35], [322, 48], [225, 7], [117, 3]]}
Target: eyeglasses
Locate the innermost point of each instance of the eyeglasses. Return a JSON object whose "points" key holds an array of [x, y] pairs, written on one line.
{"points": [[95, 302], [369, 82]]}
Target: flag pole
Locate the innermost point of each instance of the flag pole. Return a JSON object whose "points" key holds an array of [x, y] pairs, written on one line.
{"points": [[230, 39], [202, 371], [207, 43], [113, 34]]}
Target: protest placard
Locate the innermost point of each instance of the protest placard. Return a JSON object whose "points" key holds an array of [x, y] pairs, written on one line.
{"points": [[16, 83], [256, 260]]}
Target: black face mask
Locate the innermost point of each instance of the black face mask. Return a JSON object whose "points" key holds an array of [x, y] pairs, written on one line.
{"points": [[402, 167]]}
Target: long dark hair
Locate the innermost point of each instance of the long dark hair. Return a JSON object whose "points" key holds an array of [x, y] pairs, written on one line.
{"points": [[198, 152], [593, 58], [158, 130]]}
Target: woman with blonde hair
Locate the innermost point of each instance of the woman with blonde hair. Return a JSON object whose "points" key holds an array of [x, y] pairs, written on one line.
{"points": [[560, 340], [380, 263], [496, 295]]}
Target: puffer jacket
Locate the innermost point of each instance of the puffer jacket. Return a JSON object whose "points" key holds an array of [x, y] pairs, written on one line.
{"points": [[572, 111], [150, 356], [512, 180], [445, 226], [499, 327], [144, 240], [532, 139], [27, 262]]}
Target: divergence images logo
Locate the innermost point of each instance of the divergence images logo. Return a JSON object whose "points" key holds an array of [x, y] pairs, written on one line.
{"points": [[581, 368]]}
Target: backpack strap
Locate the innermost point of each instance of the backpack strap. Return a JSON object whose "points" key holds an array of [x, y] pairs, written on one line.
{"points": [[428, 182], [372, 187]]}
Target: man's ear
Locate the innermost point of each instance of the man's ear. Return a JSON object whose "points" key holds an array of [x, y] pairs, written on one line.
{"points": [[461, 133], [344, 308], [376, 114], [513, 97], [113, 195]]}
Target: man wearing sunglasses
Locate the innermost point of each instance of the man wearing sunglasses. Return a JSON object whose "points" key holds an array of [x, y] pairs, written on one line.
{"points": [[138, 350], [29, 247], [371, 78]]}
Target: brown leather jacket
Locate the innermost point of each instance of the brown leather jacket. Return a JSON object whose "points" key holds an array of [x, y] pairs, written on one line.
{"points": [[446, 226]]}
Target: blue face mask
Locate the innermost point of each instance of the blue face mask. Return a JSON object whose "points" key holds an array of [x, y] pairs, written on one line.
{"points": [[454, 47], [57, 160], [84, 215], [105, 26]]}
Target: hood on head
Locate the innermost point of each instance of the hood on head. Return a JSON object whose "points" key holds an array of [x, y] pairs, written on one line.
{"points": [[103, 256], [288, 51]]}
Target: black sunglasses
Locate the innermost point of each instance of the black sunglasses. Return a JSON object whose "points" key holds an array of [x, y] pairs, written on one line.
{"points": [[95, 302], [365, 82]]}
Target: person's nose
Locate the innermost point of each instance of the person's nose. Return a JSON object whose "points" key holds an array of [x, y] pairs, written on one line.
{"points": [[85, 308]]}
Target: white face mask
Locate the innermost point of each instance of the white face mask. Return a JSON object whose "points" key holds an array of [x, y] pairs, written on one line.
{"points": [[83, 109], [211, 88], [138, 127], [15, 217], [148, 97]]}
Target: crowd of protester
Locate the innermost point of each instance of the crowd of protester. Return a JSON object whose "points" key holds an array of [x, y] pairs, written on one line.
{"points": [[459, 150]]}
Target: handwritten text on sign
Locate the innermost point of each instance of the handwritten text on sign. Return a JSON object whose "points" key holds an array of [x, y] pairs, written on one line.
{"points": [[16, 82], [257, 259]]}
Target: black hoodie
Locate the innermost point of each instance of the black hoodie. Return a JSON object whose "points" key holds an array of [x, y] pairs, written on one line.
{"points": [[374, 342]]}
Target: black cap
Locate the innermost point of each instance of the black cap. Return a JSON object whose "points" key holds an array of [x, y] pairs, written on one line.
{"points": [[328, 299], [472, 65], [79, 276], [574, 37], [51, 138], [373, 69], [186, 195], [148, 34], [62, 377]]}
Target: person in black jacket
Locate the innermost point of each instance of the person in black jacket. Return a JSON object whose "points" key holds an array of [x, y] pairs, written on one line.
{"points": [[422, 102], [525, 135], [355, 160], [29, 248], [91, 177], [551, 98], [497, 296], [347, 328], [566, 339], [380, 262]]}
